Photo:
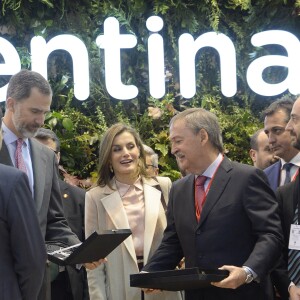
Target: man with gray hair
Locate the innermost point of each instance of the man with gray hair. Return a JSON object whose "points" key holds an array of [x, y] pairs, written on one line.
{"points": [[222, 215], [22, 251], [29, 97], [151, 161]]}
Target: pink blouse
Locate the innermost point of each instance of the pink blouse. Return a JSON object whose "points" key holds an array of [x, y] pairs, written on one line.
{"points": [[133, 201]]}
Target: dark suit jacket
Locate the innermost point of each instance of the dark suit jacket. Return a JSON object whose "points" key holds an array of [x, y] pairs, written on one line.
{"points": [[239, 226], [73, 199], [47, 199], [287, 197], [22, 250], [47, 196], [273, 174]]}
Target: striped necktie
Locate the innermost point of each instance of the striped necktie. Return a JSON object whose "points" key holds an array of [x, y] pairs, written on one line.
{"points": [[199, 195], [294, 259]]}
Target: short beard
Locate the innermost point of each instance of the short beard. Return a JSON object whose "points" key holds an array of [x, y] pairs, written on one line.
{"points": [[296, 144], [23, 131]]}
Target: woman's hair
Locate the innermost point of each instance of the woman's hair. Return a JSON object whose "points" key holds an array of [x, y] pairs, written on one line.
{"points": [[105, 173]]}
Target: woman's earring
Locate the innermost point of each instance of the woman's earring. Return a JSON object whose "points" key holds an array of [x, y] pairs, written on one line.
{"points": [[111, 168]]}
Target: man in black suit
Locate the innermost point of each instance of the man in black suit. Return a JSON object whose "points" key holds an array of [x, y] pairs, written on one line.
{"points": [[70, 283], [239, 228], [22, 251], [288, 197], [261, 154], [28, 100], [276, 117]]}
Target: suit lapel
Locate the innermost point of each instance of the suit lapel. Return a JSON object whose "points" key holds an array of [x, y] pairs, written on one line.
{"points": [[273, 174], [152, 200], [114, 207], [4, 156], [39, 168], [216, 189]]}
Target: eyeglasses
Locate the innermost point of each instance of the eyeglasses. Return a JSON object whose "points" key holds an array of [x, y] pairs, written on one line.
{"points": [[155, 167]]}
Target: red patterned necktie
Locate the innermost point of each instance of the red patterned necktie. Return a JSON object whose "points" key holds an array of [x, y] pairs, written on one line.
{"points": [[199, 195], [20, 163]]}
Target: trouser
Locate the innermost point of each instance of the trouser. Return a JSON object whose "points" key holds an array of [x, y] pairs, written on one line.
{"points": [[45, 292], [140, 262]]}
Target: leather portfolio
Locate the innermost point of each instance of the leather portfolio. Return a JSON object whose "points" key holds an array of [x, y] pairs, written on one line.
{"points": [[95, 247], [177, 280]]}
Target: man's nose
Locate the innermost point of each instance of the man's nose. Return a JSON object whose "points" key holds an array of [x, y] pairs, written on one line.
{"points": [[272, 138], [173, 149], [40, 119], [289, 126]]}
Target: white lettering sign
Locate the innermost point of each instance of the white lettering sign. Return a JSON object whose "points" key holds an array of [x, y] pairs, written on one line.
{"points": [[112, 42]]}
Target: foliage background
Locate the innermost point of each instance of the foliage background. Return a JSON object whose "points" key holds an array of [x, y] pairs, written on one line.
{"points": [[80, 125]]}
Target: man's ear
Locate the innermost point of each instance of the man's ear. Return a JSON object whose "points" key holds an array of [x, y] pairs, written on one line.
{"points": [[252, 154], [10, 104], [203, 135]]}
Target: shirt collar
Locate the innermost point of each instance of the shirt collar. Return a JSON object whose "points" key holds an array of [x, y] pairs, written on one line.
{"points": [[123, 187], [209, 172], [9, 137], [295, 160]]}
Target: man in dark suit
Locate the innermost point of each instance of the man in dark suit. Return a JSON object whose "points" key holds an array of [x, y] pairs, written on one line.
{"points": [[22, 251], [276, 117], [239, 227], [28, 99], [70, 283], [261, 154], [288, 197]]}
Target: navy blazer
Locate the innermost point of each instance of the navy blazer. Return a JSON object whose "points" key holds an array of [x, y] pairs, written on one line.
{"points": [[273, 175], [239, 226], [22, 250]]}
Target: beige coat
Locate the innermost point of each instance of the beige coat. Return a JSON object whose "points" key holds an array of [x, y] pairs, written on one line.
{"points": [[104, 210]]}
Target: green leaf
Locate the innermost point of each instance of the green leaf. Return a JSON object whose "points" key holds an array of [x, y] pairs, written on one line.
{"points": [[67, 124]]}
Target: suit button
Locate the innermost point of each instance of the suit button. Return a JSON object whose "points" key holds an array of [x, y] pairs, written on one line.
{"points": [[199, 231]]}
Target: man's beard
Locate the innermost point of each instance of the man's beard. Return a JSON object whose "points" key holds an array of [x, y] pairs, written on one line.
{"points": [[296, 143], [23, 131]]}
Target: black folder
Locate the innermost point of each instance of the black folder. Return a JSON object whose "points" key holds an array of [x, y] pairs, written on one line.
{"points": [[96, 246], [177, 280]]}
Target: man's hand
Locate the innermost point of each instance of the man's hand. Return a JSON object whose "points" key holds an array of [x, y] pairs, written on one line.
{"points": [[151, 291], [294, 293], [236, 278], [95, 264]]}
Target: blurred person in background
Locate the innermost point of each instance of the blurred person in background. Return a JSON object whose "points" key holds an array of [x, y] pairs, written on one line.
{"points": [[276, 117], [67, 282], [151, 161], [261, 154]]}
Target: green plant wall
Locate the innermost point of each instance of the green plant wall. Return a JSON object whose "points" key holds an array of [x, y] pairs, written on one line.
{"points": [[80, 125]]}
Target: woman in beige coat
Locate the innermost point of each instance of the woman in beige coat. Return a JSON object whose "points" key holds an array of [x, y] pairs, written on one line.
{"points": [[125, 198]]}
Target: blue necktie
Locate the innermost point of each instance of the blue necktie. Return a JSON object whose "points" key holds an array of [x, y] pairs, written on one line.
{"points": [[287, 168]]}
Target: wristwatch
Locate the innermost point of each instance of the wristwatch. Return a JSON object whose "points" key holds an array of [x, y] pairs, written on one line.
{"points": [[249, 275]]}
